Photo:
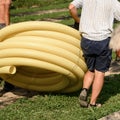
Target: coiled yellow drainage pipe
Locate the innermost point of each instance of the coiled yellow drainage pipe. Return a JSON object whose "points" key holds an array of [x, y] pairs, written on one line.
{"points": [[42, 56]]}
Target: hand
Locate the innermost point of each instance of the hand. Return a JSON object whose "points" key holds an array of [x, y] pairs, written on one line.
{"points": [[76, 26]]}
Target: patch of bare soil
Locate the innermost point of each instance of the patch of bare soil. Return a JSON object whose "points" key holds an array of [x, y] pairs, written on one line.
{"points": [[114, 68], [113, 116], [41, 12], [10, 97], [44, 12]]}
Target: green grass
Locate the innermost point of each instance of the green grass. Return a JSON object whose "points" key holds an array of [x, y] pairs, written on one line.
{"points": [[24, 6], [64, 106], [62, 15], [21, 12], [39, 3]]}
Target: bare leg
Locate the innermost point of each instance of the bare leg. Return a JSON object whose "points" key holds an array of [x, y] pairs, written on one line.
{"points": [[88, 79], [97, 86]]}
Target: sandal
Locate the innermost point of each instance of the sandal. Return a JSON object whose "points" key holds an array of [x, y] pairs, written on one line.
{"points": [[97, 105]]}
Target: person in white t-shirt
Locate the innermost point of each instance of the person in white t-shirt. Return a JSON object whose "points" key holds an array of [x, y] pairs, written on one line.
{"points": [[95, 25]]}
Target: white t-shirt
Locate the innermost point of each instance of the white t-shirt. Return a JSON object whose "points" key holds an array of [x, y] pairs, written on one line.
{"points": [[97, 17]]}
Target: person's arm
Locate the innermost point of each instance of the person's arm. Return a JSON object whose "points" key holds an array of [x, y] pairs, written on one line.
{"points": [[74, 13], [7, 14], [2, 12]]}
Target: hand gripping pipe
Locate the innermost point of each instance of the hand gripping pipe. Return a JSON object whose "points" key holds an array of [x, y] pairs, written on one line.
{"points": [[42, 56]]}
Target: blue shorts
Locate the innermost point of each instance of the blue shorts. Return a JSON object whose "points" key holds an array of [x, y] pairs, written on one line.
{"points": [[97, 54]]}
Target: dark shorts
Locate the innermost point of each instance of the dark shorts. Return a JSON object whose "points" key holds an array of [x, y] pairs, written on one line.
{"points": [[97, 54]]}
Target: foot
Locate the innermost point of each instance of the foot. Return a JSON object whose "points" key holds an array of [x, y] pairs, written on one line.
{"points": [[83, 98], [97, 105]]}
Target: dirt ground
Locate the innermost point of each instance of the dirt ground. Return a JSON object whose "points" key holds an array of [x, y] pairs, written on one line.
{"points": [[17, 93], [114, 68]]}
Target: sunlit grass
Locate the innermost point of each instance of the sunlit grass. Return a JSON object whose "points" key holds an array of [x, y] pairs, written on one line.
{"points": [[64, 106]]}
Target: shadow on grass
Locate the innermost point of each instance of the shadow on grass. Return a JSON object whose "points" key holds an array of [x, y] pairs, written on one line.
{"points": [[111, 87]]}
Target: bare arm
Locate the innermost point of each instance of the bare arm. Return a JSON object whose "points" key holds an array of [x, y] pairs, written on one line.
{"points": [[7, 14], [2, 12], [74, 13]]}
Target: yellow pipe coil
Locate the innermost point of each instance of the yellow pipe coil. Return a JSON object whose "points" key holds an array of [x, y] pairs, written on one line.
{"points": [[46, 56]]}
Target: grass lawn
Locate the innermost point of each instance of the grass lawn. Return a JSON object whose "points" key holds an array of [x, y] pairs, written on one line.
{"points": [[50, 106], [64, 106]]}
